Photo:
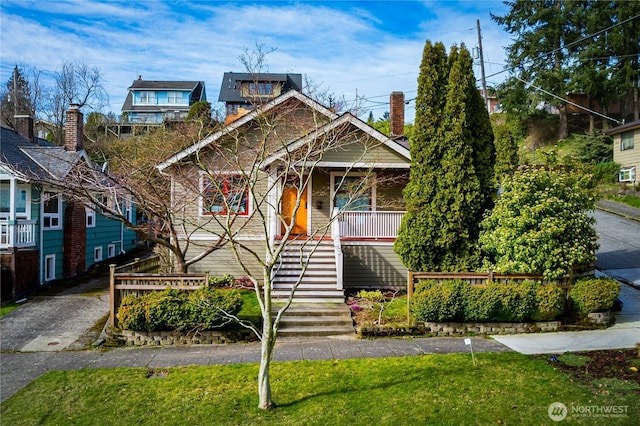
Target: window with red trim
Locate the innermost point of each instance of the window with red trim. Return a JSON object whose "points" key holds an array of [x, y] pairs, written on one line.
{"points": [[226, 194]]}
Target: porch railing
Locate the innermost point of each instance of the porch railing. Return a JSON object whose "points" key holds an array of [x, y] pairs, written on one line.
{"points": [[22, 233], [370, 224]]}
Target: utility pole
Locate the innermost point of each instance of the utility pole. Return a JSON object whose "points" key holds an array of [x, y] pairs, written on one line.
{"points": [[484, 80]]}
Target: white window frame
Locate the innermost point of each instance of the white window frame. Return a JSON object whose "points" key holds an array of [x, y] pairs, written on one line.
{"points": [[371, 175], [174, 97], [201, 210], [90, 215], [627, 174], [626, 141], [111, 251], [51, 217], [97, 254], [147, 97], [50, 267]]}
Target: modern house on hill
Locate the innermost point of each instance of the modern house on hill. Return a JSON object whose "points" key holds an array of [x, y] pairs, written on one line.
{"points": [[626, 150], [152, 102], [44, 236], [241, 92]]}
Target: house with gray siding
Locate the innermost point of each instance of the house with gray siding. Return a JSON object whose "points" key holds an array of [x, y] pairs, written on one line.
{"points": [[350, 203], [43, 235]]}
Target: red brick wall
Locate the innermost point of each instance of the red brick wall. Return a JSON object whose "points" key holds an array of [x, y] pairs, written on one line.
{"points": [[75, 240], [396, 114], [73, 129], [19, 276]]}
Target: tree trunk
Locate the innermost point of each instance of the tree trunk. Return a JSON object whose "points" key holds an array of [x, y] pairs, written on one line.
{"points": [[266, 353], [563, 130]]}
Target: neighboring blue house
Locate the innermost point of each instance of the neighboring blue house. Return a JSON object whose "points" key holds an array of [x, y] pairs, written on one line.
{"points": [[43, 236], [156, 101]]}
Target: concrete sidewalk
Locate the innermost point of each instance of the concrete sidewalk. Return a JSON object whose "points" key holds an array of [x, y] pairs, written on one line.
{"points": [[625, 333]]}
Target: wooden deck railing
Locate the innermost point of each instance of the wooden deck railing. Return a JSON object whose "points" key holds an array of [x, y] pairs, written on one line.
{"points": [[139, 277]]}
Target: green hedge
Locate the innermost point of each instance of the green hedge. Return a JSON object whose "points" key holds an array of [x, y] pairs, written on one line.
{"points": [[457, 300], [178, 310], [594, 295]]}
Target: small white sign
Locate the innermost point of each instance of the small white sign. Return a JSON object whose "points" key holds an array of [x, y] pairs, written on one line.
{"points": [[467, 341]]}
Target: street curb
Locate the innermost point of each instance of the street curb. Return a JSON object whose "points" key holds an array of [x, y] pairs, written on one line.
{"points": [[617, 213]]}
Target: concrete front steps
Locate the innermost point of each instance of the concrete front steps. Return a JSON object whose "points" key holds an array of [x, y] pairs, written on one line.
{"points": [[318, 308], [317, 319]]}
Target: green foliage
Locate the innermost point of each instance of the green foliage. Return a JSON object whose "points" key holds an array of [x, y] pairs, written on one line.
{"points": [[594, 148], [550, 303], [373, 295], [200, 110], [594, 294], [506, 151], [514, 302], [172, 309], [440, 302], [457, 300], [223, 281], [541, 224], [451, 177], [605, 172]]}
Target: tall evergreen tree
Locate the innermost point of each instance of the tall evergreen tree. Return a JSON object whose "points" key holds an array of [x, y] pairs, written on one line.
{"points": [[451, 179], [16, 99]]}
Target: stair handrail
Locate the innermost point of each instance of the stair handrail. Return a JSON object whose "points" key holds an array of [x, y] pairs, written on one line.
{"points": [[337, 246]]}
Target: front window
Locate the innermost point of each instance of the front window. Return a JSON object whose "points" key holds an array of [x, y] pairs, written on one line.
{"points": [[261, 89], [353, 193], [224, 193], [174, 98], [626, 141], [52, 208], [627, 174], [147, 97], [21, 202]]}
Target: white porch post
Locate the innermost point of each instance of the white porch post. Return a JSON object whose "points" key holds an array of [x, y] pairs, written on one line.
{"points": [[272, 212], [12, 200]]}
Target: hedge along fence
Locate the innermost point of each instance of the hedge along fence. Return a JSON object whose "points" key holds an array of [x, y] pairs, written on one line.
{"points": [[481, 279], [140, 277]]}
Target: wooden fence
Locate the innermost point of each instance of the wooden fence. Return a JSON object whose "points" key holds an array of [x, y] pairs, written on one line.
{"points": [[141, 277], [484, 278]]}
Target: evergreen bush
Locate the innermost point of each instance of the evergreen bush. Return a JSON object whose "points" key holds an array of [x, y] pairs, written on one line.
{"points": [[172, 309], [550, 302], [594, 295]]}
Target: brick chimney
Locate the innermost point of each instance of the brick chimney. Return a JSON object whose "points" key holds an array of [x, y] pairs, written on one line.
{"points": [[396, 114], [73, 129], [24, 126]]}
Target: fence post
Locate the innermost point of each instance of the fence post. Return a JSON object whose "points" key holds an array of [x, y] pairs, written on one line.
{"points": [[206, 279], [112, 295], [136, 262], [490, 277], [409, 295]]}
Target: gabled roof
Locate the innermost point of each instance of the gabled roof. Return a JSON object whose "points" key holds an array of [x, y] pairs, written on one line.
{"points": [[343, 119], [625, 127], [42, 161], [232, 82], [196, 88], [292, 94]]}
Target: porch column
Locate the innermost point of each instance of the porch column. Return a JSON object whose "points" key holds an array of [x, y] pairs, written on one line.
{"points": [[272, 206], [12, 200]]}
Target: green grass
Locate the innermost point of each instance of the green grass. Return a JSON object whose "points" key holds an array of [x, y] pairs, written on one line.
{"points": [[574, 360], [4, 310], [505, 388]]}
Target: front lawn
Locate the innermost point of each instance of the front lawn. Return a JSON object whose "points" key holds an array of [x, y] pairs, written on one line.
{"points": [[506, 388]]}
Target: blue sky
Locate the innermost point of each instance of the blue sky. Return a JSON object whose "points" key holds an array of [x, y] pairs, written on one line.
{"points": [[366, 47]]}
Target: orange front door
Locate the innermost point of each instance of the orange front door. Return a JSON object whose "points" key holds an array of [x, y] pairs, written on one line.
{"points": [[289, 196]]}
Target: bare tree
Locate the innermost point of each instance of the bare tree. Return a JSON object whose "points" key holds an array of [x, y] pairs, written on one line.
{"points": [[76, 83]]}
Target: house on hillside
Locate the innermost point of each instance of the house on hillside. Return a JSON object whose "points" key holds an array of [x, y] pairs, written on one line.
{"points": [[626, 150], [241, 92], [154, 102], [43, 236], [334, 153]]}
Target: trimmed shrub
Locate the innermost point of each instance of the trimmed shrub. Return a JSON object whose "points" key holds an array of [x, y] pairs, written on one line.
{"points": [[440, 302], [172, 309], [223, 281], [479, 305], [550, 303], [594, 294], [516, 302]]}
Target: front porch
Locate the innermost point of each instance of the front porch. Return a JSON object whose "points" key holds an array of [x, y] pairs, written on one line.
{"points": [[17, 234]]}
